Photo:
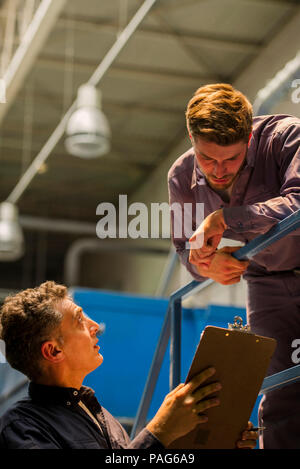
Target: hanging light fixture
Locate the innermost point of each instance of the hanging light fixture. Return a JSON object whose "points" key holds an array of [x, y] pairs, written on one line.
{"points": [[88, 132], [11, 235]]}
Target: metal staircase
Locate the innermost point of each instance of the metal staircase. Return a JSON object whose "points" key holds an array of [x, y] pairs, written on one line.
{"points": [[171, 329]]}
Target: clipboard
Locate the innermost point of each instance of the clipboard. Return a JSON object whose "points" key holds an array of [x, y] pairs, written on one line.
{"points": [[241, 360]]}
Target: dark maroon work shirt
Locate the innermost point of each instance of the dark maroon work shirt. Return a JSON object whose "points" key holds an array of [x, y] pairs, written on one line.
{"points": [[266, 191]]}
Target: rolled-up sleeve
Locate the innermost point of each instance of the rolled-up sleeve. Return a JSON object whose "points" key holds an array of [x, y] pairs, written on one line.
{"points": [[145, 440]]}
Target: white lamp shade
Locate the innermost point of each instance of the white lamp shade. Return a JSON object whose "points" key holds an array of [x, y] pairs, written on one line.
{"points": [[87, 132], [11, 235]]}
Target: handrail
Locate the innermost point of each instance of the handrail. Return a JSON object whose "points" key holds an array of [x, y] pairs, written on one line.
{"points": [[281, 379], [171, 328]]}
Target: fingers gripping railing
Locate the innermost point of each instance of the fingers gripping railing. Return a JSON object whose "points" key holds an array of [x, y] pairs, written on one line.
{"points": [[171, 328]]}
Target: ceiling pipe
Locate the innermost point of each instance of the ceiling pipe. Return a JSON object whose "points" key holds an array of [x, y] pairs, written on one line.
{"points": [[94, 80], [73, 256], [80, 228], [277, 88], [57, 226], [78, 248], [32, 42]]}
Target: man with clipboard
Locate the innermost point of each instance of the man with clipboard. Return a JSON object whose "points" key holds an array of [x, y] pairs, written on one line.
{"points": [[50, 340]]}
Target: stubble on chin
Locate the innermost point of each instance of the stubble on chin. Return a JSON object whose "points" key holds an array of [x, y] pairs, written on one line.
{"points": [[221, 187]]}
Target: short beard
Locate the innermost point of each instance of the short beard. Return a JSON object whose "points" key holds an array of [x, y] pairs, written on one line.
{"points": [[222, 187]]}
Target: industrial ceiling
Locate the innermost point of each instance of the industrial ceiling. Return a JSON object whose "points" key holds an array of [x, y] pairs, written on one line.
{"points": [[179, 46]]}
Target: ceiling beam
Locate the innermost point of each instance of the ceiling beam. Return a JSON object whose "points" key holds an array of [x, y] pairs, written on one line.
{"points": [[9, 34], [42, 97], [15, 143], [136, 71], [200, 59], [187, 3], [33, 40], [277, 52], [207, 39], [100, 25]]}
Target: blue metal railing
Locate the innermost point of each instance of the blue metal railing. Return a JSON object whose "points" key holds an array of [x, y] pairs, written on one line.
{"points": [[171, 328]]}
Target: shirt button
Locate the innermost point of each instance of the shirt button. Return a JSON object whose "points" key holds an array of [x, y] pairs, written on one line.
{"points": [[68, 403], [75, 393]]}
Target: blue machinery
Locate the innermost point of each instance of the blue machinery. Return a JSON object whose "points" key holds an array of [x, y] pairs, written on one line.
{"points": [[171, 328]]}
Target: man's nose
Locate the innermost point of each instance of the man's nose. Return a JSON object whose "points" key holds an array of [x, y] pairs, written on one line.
{"points": [[94, 327], [219, 170]]}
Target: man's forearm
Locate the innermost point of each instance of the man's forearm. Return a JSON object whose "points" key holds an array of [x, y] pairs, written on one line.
{"points": [[260, 217]]}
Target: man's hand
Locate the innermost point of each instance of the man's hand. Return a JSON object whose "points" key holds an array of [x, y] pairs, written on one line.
{"points": [[222, 267], [182, 409], [207, 237], [248, 438]]}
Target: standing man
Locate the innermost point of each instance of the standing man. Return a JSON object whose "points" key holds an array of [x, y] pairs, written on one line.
{"points": [[246, 172]]}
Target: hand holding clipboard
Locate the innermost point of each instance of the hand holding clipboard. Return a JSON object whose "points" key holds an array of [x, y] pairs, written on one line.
{"points": [[241, 360], [184, 408]]}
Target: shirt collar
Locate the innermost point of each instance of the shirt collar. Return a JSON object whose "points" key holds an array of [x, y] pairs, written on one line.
{"points": [[198, 177], [59, 395], [251, 151]]}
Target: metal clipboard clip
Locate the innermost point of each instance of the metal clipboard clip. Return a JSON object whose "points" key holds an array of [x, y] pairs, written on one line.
{"points": [[238, 325]]}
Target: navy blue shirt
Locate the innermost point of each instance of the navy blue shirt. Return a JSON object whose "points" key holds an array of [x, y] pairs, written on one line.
{"points": [[51, 418]]}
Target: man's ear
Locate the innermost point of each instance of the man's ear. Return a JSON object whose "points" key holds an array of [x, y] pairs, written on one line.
{"points": [[52, 352], [189, 132]]}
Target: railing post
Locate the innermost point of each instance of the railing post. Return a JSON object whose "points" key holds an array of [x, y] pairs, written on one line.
{"points": [[159, 354], [175, 343]]}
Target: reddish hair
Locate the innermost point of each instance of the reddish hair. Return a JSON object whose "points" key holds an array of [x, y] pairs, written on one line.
{"points": [[219, 113]]}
